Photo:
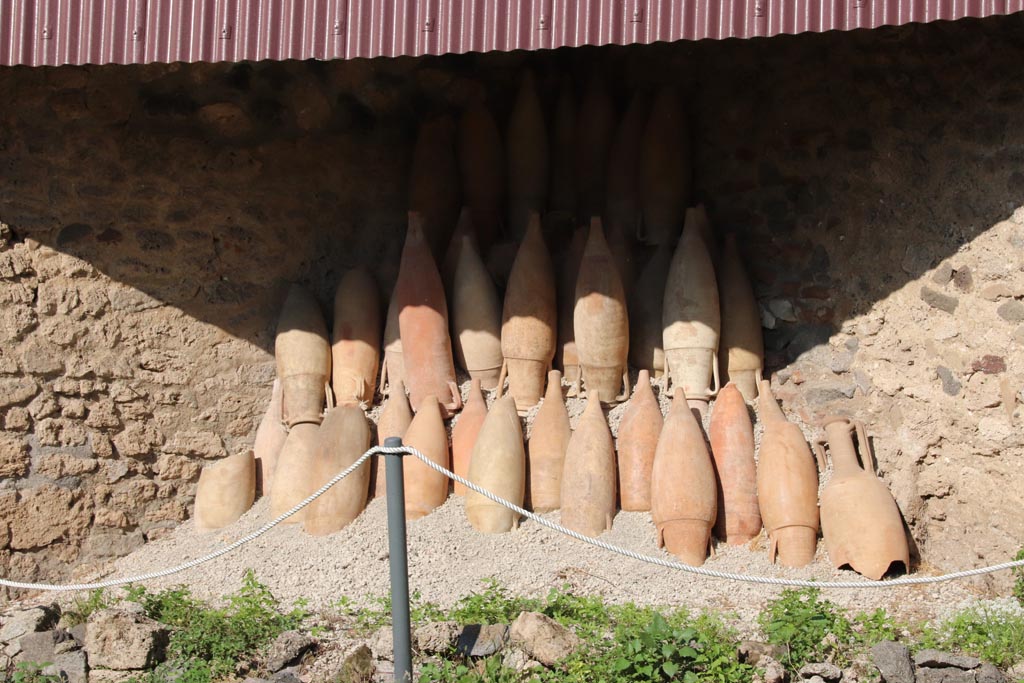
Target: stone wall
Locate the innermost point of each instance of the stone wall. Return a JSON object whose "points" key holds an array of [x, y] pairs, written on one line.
{"points": [[154, 216]]}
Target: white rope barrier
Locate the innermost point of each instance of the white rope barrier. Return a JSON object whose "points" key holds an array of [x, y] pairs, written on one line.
{"points": [[659, 561]]}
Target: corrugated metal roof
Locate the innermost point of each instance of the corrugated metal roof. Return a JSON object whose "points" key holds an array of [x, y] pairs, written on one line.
{"points": [[54, 32]]}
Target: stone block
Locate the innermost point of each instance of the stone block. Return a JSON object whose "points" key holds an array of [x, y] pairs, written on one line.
{"points": [[120, 640]]}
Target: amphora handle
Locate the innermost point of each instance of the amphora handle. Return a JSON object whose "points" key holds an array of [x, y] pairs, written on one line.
{"points": [[867, 455], [846, 449]]}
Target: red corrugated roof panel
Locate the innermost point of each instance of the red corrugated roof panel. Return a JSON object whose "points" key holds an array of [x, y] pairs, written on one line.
{"points": [[54, 32]]}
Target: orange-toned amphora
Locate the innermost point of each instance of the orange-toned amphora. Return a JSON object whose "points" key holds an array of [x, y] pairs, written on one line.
{"points": [[741, 343], [646, 346], [425, 489], [528, 324], [860, 521], [423, 325], [393, 368], [691, 321], [394, 419], [787, 486], [638, 441], [303, 356], [588, 478], [732, 446], [498, 465], [567, 355], [476, 317], [527, 151], [482, 167], [664, 169], [226, 490], [434, 188], [683, 494], [465, 432], [293, 479], [600, 321], [270, 436], [343, 437], [594, 131], [355, 338], [549, 440]]}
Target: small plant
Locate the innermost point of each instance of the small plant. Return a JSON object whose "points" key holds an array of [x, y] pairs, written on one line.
{"points": [[799, 620], [32, 672], [82, 608], [994, 635], [1018, 576], [494, 605], [489, 670]]}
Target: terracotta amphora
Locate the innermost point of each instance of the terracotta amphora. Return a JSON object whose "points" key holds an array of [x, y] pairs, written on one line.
{"points": [[464, 228], [622, 202], [699, 215], [425, 489], [303, 355], [476, 317], [270, 436], [691, 322], [482, 167], [465, 431], [588, 477], [646, 350], [498, 465], [393, 368], [664, 169], [434, 187], [293, 479], [528, 323], [562, 192], [621, 247], [527, 152], [225, 492], [567, 356], [683, 493], [787, 486], [594, 131], [638, 441], [545, 450], [600, 322], [741, 343], [343, 437], [860, 521], [732, 446], [355, 338], [394, 419], [423, 325]]}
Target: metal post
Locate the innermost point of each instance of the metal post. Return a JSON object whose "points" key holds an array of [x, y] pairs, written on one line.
{"points": [[399, 561]]}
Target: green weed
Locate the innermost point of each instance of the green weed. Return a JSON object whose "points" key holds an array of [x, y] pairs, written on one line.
{"points": [[994, 635], [82, 608], [493, 605], [1018, 579], [32, 672], [799, 620]]}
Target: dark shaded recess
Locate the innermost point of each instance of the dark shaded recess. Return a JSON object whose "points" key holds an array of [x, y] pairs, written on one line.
{"points": [[239, 77], [177, 102]]}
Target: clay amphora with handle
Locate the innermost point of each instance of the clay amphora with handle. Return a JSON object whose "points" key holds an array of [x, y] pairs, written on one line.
{"points": [[225, 492], [732, 446], [588, 477], [498, 465], [787, 486], [465, 432], [664, 169], [683, 493], [646, 347], [423, 325], [434, 187], [482, 168], [355, 338], [293, 479], [622, 203], [594, 131], [394, 420], [638, 441], [270, 436], [527, 151], [528, 324], [568, 356], [393, 368], [690, 319], [549, 440], [600, 322], [741, 343], [343, 437], [476, 317], [860, 521], [425, 489], [303, 355]]}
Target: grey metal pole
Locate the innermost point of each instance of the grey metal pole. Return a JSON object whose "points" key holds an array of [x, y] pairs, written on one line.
{"points": [[399, 561]]}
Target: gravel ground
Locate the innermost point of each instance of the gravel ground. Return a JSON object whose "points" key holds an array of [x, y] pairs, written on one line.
{"points": [[449, 559]]}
